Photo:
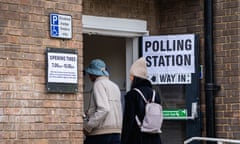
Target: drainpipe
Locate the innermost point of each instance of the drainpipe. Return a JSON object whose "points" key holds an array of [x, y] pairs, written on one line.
{"points": [[210, 87]]}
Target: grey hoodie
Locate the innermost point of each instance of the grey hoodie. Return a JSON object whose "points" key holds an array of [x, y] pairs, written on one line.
{"points": [[104, 111]]}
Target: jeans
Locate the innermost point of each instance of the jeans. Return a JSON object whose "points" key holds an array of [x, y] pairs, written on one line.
{"points": [[103, 139]]}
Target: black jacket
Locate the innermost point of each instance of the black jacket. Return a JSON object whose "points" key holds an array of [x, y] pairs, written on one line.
{"points": [[135, 105]]}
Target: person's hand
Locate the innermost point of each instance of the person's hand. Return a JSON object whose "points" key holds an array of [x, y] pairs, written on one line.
{"points": [[86, 128], [85, 132]]}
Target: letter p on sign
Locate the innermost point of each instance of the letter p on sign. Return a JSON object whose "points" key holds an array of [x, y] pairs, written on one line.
{"points": [[54, 19]]}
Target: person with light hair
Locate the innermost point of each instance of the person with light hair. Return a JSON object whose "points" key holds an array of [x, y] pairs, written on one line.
{"points": [[135, 106]]}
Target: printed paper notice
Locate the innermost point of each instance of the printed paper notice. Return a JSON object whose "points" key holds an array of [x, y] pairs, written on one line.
{"points": [[62, 68]]}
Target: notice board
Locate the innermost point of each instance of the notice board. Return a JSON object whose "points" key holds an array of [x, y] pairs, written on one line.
{"points": [[61, 70]]}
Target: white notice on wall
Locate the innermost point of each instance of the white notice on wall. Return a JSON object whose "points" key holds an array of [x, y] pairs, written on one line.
{"points": [[170, 59], [170, 53], [62, 68]]}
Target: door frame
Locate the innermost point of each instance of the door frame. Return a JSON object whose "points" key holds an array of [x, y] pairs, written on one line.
{"points": [[131, 29]]}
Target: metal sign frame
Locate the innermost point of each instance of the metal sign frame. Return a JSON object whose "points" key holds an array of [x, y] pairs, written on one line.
{"points": [[60, 86]]}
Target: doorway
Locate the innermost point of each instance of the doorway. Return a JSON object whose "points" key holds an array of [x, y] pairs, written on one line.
{"points": [[113, 52], [115, 40]]}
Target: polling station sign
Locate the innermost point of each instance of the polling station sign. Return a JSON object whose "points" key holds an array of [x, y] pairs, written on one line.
{"points": [[170, 58], [60, 26]]}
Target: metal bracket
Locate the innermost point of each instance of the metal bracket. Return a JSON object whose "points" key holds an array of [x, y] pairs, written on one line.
{"points": [[212, 87]]}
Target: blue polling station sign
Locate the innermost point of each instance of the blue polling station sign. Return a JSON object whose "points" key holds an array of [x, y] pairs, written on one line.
{"points": [[60, 26]]}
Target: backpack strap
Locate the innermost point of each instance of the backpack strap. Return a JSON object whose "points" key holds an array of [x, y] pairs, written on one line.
{"points": [[153, 96], [141, 94]]}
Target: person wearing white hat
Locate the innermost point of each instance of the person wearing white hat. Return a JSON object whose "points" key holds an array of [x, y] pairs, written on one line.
{"points": [[134, 105], [103, 117]]}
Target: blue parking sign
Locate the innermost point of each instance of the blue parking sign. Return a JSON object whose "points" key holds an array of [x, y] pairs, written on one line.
{"points": [[54, 22], [60, 26]]}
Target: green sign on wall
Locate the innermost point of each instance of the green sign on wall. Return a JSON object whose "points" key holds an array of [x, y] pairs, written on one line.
{"points": [[179, 113]]}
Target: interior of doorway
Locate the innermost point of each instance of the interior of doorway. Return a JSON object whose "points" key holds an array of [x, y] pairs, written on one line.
{"points": [[112, 50]]}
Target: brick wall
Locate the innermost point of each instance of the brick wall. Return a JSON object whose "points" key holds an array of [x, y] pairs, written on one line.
{"points": [[28, 114], [135, 9], [226, 47]]}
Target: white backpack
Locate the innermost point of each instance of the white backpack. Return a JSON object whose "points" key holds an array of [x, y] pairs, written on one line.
{"points": [[152, 121]]}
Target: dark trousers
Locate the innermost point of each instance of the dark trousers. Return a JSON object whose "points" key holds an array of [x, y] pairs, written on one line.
{"points": [[103, 139]]}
